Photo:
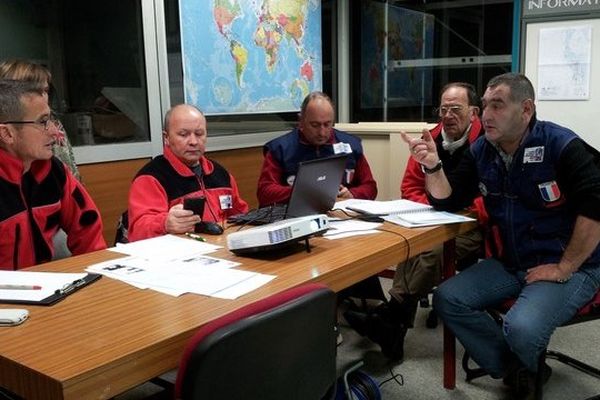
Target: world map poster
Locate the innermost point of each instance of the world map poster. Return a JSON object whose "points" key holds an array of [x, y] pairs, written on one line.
{"points": [[250, 56]]}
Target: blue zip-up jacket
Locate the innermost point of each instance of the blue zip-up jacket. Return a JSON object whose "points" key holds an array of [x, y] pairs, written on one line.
{"points": [[528, 203]]}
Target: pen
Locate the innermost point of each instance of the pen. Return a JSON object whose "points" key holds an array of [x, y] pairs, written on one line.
{"points": [[195, 237], [20, 287]]}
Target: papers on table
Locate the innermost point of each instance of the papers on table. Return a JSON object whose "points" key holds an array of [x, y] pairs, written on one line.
{"points": [[165, 248], [48, 282], [426, 218], [381, 207], [403, 212], [174, 266], [350, 227]]}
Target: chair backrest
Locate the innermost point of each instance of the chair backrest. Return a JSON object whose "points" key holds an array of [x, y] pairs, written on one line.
{"points": [[588, 312], [281, 347]]}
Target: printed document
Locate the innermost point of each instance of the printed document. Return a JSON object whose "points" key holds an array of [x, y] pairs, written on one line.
{"points": [[403, 212]]}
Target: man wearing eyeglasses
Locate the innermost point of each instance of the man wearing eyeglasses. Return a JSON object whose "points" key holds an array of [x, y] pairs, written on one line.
{"points": [[38, 194], [459, 126], [540, 183]]}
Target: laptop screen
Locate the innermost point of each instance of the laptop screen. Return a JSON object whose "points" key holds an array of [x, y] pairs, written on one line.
{"points": [[316, 186]]}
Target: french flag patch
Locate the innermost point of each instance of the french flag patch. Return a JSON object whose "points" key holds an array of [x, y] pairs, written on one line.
{"points": [[550, 191]]}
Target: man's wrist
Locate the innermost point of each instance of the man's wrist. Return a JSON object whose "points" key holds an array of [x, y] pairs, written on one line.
{"points": [[434, 169], [565, 268], [565, 279]]}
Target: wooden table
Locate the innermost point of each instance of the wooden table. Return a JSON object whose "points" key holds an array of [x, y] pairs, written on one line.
{"points": [[110, 337]]}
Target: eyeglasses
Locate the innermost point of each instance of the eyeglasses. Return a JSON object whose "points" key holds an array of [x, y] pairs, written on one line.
{"points": [[46, 123], [442, 111]]}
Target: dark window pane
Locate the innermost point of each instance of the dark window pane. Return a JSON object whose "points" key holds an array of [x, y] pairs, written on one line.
{"points": [[397, 74], [95, 52]]}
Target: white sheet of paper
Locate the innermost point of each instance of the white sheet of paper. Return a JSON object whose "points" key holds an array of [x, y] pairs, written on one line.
{"points": [[199, 274], [350, 227], [167, 247]]}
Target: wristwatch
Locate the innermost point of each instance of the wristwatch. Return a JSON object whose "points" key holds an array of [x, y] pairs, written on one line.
{"points": [[430, 171]]}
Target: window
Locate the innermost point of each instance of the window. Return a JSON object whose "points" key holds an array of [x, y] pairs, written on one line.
{"points": [[405, 51], [95, 52], [117, 66]]}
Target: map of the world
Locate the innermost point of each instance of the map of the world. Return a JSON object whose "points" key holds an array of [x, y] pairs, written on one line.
{"points": [[250, 56]]}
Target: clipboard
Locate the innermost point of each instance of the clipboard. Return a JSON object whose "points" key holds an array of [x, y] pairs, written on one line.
{"points": [[59, 294]]}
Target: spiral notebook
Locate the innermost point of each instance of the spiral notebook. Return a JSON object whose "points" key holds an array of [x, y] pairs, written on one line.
{"points": [[404, 212]]}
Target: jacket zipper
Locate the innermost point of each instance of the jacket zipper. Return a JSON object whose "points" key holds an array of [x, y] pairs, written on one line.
{"points": [[16, 249]]}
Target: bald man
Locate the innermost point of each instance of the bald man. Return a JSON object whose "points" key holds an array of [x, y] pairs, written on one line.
{"points": [[160, 187], [314, 138]]}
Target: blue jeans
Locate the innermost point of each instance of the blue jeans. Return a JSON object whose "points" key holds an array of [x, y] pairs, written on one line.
{"points": [[540, 308]]}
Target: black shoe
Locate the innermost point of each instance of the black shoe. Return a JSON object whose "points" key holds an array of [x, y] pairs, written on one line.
{"points": [[387, 332], [357, 321], [522, 381], [404, 311]]}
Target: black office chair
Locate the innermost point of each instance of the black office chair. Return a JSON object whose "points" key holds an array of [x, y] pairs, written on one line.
{"points": [[281, 347], [589, 312]]}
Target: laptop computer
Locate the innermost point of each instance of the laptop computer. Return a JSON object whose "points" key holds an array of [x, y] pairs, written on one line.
{"points": [[314, 191]]}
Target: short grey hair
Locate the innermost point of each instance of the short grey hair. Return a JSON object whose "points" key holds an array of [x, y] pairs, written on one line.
{"points": [[520, 86], [11, 92], [313, 96]]}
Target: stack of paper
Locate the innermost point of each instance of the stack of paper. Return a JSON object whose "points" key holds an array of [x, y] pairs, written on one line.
{"points": [[174, 266], [426, 218], [403, 212], [350, 227], [165, 247], [381, 207], [202, 275]]}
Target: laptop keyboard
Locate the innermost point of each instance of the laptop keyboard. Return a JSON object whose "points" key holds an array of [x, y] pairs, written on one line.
{"points": [[260, 216]]}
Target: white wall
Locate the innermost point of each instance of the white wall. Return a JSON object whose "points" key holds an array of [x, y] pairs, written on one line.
{"points": [[581, 116], [385, 151]]}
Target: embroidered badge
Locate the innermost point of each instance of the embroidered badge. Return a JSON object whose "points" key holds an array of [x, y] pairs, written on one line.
{"points": [[533, 155], [226, 201], [550, 191]]}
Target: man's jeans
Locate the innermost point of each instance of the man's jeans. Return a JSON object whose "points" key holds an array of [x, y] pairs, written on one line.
{"points": [[541, 307]]}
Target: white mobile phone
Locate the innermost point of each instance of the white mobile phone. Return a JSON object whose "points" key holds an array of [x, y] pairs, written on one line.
{"points": [[12, 316]]}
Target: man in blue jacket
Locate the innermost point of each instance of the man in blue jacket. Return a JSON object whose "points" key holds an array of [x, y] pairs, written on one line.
{"points": [[314, 138], [541, 186]]}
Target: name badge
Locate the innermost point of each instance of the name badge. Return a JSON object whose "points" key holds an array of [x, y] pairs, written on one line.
{"points": [[342, 148], [226, 201], [533, 155]]}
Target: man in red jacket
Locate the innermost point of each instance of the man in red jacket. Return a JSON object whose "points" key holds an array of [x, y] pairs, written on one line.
{"points": [[38, 193], [183, 171], [459, 126]]}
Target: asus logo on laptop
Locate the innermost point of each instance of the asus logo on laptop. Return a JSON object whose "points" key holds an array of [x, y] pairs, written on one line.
{"points": [[321, 178]]}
